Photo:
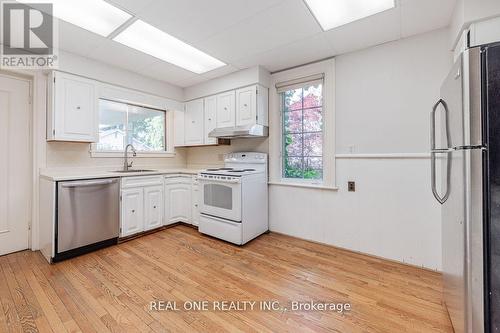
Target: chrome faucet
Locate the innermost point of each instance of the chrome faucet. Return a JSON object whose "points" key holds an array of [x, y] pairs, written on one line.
{"points": [[126, 164]]}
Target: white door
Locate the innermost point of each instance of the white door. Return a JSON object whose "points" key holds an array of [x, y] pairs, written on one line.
{"points": [[177, 203], [226, 116], [132, 212], [194, 123], [246, 106], [153, 199], [210, 119], [75, 109], [15, 164]]}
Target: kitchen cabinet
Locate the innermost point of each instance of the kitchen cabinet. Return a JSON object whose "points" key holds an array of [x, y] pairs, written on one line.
{"points": [[153, 201], [72, 113], [178, 207], [210, 119], [132, 217], [195, 199], [226, 115], [194, 123], [179, 138], [141, 204], [246, 106]]}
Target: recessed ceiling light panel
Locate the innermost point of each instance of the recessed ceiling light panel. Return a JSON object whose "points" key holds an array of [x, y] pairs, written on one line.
{"points": [[335, 13], [157, 43], [97, 16]]}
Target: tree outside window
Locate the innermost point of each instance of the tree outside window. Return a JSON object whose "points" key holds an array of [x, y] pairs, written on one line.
{"points": [[302, 111]]}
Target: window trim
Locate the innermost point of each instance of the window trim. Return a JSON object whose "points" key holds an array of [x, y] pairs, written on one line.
{"points": [[326, 69], [121, 95]]}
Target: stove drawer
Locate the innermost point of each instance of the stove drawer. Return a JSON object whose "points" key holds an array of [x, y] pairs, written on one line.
{"points": [[222, 229]]}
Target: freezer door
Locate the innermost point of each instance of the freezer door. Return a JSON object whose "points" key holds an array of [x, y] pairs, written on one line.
{"points": [[447, 115], [457, 120], [454, 239]]}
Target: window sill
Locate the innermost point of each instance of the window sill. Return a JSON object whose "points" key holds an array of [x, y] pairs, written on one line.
{"points": [[119, 154], [305, 185]]}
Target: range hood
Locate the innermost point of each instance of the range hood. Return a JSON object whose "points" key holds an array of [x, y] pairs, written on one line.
{"points": [[246, 131]]}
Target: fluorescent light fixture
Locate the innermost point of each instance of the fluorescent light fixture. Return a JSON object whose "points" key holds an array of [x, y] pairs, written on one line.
{"points": [[97, 16], [334, 13], [157, 43]]}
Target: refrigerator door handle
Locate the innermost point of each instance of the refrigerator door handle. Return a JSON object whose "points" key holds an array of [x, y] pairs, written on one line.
{"points": [[434, 151], [440, 199], [446, 124]]}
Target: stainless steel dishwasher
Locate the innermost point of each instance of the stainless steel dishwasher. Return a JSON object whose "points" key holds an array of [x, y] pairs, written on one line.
{"points": [[88, 216]]}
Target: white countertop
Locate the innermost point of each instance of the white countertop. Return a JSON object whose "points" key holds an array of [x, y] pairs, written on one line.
{"points": [[84, 173]]}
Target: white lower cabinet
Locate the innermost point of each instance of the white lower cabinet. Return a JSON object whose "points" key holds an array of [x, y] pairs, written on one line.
{"points": [[177, 201], [195, 199], [153, 201], [141, 204], [150, 202], [132, 217]]}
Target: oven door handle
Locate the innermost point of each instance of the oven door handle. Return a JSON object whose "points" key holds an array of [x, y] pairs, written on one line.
{"points": [[218, 181]]}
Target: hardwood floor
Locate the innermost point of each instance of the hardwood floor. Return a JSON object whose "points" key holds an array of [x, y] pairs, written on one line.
{"points": [[111, 290]]}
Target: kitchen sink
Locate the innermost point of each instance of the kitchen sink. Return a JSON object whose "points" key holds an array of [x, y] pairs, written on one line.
{"points": [[132, 171]]}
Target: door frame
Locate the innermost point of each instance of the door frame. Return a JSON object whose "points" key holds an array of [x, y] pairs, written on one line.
{"points": [[37, 151]]}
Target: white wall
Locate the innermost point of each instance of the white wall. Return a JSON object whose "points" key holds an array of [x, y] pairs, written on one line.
{"points": [[383, 99]]}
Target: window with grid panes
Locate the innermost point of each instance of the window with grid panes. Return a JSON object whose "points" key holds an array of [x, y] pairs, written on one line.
{"points": [[302, 131]]}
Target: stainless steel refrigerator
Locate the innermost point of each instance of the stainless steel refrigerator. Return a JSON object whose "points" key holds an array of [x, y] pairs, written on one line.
{"points": [[465, 161]]}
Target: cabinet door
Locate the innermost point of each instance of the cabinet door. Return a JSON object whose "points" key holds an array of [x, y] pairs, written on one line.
{"points": [[75, 109], [177, 203], [153, 201], [195, 204], [226, 115], [246, 106], [132, 217], [193, 122], [210, 119], [179, 128]]}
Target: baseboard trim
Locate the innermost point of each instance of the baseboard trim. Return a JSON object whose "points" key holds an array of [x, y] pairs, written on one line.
{"points": [[360, 253]]}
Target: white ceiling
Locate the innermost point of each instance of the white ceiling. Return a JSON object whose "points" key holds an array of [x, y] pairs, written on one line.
{"points": [[276, 34]]}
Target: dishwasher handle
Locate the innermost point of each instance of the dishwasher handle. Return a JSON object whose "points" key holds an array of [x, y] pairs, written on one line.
{"points": [[89, 183]]}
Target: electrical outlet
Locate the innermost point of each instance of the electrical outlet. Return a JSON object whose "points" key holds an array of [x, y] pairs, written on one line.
{"points": [[351, 186]]}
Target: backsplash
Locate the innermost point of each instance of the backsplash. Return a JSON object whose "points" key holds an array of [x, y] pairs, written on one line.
{"points": [[203, 157], [76, 155]]}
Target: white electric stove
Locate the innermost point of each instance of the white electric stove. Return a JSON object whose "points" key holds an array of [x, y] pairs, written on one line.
{"points": [[234, 199]]}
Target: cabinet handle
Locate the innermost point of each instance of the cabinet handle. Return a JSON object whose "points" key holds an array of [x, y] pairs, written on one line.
{"points": [[78, 108], [225, 109], [209, 119], [192, 121], [154, 207], [133, 210], [245, 105]]}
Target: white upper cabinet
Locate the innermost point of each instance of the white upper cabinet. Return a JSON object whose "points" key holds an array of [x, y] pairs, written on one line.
{"points": [[73, 109], [246, 106], [179, 137], [226, 112], [210, 119], [194, 123]]}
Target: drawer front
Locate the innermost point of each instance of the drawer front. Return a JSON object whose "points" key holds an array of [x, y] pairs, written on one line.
{"points": [[128, 182], [179, 179], [222, 229]]}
